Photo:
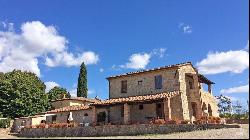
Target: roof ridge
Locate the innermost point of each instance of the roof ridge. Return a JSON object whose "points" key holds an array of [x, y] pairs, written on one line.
{"points": [[161, 95], [152, 69]]}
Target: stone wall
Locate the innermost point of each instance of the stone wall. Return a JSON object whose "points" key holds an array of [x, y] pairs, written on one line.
{"points": [[144, 115], [78, 116], [185, 99], [64, 103], [238, 121], [209, 99], [116, 114], [117, 130], [170, 83]]}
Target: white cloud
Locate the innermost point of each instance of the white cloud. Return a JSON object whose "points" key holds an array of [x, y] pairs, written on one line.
{"points": [[220, 62], [24, 50], [73, 92], [50, 85], [240, 89], [247, 46], [232, 98], [187, 29], [138, 61], [91, 91], [68, 59], [101, 70], [159, 52], [141, 60]]}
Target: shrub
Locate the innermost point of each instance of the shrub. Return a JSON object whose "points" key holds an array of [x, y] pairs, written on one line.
{"points": [[42, 125], [4, 123], [159, 121], [27, 126], [184, 121], [72, 125], [171, 122]]}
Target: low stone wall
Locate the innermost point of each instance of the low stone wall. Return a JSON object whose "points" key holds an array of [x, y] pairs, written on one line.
{"points": [[117, 130], [238, 121]]}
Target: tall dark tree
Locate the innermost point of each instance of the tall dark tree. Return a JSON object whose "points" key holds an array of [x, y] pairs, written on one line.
{"points": [[22, 94], [82, 88]]}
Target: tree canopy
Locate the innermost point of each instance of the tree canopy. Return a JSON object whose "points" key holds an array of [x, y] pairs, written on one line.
{"points": [[58, 93], [22, 94], [82, 88]]}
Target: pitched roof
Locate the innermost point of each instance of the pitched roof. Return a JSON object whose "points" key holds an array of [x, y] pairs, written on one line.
{"points": [[150, 70], [203, 79], [138, 98], [69, 108], [78, 99]]}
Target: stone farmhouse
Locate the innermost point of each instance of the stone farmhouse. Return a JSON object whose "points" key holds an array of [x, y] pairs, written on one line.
{"points": [[169, 92]]}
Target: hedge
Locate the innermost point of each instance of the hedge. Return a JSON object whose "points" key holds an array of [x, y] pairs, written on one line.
{"points": [[4, 122]]}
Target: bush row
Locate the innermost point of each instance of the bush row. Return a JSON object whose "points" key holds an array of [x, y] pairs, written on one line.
{"points": [[5, 123]]}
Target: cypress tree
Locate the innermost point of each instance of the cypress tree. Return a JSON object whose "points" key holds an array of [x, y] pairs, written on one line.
{"points": [[82, 88]]}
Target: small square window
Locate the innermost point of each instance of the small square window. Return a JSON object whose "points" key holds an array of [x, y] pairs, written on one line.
{"points": [[140, 107], [124, 86]]}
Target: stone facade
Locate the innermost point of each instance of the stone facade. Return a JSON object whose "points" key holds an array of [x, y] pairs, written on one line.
{"points": [[184, 78], [81, 116], [64, 103], [180, 97], [146, 87]]}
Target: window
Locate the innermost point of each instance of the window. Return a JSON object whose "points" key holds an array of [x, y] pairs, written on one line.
{"points": [[190, 85], [124, 86], [122, 111], [158, 105], [86, 114], [140, 82], [158, 82], [140, 107], [101, 117], [53, 118]]}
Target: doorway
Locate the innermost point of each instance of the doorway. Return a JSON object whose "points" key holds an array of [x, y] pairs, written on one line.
{"points": [[194, 109], [160, 110]]}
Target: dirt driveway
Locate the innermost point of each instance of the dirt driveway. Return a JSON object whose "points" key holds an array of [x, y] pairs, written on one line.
{"points": [[226, 133]]}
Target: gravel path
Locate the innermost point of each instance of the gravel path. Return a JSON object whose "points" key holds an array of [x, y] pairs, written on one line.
{"points": [[226, 133]]}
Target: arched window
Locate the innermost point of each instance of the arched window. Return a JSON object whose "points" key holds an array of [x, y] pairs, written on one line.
{"points": [[86, 114]]}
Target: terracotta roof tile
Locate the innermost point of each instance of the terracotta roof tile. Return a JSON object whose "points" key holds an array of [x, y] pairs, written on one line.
{"points": [[79, 99], [138, 98], [154, 69], [69, 108]]}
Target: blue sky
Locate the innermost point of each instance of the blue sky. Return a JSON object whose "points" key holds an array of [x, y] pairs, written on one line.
{"points": [[51, 38]]}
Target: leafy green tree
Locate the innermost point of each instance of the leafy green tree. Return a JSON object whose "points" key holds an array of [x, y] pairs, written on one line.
{"points": [[224, 105], [238, 110], [82, 88], [58, 93], [22, 94]]}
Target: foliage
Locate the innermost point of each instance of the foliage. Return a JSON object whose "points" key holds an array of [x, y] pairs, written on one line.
{"points": [[58, 93], [5, 123], [224, 105], [82, 88], [185, 121], [208, 120], [22, 94]]}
